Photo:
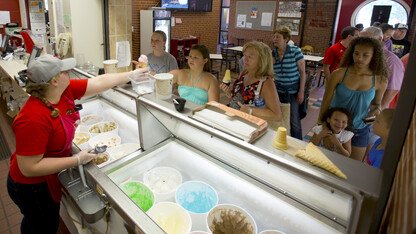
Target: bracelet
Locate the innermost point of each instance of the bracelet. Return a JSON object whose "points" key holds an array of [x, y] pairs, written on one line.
{"points": [[251, 110], [79, 161]]}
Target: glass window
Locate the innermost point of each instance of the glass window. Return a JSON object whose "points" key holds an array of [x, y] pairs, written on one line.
{"points": [[398, 12]]}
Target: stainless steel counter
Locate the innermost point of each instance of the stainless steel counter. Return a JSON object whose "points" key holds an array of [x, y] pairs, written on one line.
{"points": [[291, 187]]}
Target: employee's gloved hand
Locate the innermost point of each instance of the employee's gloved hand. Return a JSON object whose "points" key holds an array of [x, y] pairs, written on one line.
{"points": [[84, 157]]}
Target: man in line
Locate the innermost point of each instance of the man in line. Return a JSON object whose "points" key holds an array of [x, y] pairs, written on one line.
{"points": [[395, 65], [395, 77], [388, 31], [334, 53], [401, 46]]}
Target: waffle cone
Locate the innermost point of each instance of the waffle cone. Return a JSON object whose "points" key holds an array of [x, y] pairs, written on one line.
{"points": [[280, 141], [313, 155]]}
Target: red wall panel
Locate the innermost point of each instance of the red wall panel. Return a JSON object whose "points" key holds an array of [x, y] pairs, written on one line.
{"points": [[13, 7]]}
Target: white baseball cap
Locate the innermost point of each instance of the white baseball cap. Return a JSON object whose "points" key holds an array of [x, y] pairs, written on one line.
{"points": [[400, 26], [43, 68]]}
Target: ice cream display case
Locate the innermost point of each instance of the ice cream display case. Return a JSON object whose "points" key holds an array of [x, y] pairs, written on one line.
{"points": [[188, 176]]}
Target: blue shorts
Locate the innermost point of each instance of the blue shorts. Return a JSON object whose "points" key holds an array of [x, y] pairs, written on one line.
{"points": [[360, 138]]}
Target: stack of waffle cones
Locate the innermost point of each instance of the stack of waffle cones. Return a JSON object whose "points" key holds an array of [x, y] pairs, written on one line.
{"points": [[280, 141], [313, 155]]}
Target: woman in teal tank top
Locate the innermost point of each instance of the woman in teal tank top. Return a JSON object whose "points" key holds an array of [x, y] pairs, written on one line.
{"points": [[358, 85], [194, 82]]}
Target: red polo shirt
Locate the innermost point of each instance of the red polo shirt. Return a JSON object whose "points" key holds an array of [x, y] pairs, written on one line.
{"points": [[333, 56]]}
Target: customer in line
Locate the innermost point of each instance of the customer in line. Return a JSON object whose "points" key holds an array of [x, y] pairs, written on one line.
{"points": [[44, 130], [289, 67], [358, 85], [395, 65], [160, 61], [401, 46], [388, 31], [334, 53], [382, 126], [394, 80], [256, 78], [195, 82]]}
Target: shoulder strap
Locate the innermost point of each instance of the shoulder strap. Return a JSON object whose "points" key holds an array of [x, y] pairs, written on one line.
{"points": [[345, 75], [260, 85]]}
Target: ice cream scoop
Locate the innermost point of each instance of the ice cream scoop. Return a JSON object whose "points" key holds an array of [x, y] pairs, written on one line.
{"points": [[227, 77], [143, 61]]}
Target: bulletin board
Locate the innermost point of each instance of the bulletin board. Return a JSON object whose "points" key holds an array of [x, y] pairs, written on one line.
{"points": [[258, 15]]}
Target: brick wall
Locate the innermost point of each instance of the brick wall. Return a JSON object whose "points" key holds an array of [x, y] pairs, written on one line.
{"points": [[319, 19], [320, 16], [201, 24]]}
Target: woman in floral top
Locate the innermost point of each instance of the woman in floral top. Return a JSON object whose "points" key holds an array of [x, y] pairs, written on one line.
{"points": [[258, 71]]}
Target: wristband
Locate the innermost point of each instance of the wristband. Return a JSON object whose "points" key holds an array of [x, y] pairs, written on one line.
{"points": [[251, 110]]}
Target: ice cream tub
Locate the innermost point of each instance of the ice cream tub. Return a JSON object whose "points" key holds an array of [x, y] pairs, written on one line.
{"points": [[164, 85], [139, 193], [81, 139], [171, 217], [163, 181], [271, 232], [110, 66], [198, 198], [229, 218], [87, 121]]}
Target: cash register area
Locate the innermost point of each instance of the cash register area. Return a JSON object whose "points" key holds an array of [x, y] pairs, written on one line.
{"points": [[10, 216]]}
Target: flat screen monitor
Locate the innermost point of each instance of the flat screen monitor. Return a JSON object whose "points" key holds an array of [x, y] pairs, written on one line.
{"points": [[36, 51], [5, 43], [179, 5], [161, 14], [200, 5]]}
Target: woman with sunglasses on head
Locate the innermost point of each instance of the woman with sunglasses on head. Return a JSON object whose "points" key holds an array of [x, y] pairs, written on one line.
{"points": [[194, 82], [44, 130]]}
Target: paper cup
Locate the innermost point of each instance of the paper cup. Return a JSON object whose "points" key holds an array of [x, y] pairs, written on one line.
{"points": [[139, 193], [198, 198], [110, 66], [230, 219], [164, 85], [163, 181], [171, 217]]}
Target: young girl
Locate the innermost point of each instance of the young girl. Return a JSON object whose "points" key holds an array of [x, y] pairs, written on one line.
{"points": [[381, 127], [358, 85], [195, 83], [332, 134]]}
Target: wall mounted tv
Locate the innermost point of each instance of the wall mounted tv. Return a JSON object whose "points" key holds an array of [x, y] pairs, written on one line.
{"points": [[175, 5], [200, 5]]}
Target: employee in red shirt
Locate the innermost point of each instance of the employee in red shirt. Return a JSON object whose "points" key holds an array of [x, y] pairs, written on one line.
{"points": [[334, 53], [44, 130]]}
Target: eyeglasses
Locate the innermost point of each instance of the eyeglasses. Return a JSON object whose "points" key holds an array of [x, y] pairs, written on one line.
{"points": [[192, 57]]}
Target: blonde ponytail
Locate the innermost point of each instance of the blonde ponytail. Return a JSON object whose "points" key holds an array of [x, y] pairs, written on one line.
{"points": [[38, 91]]}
